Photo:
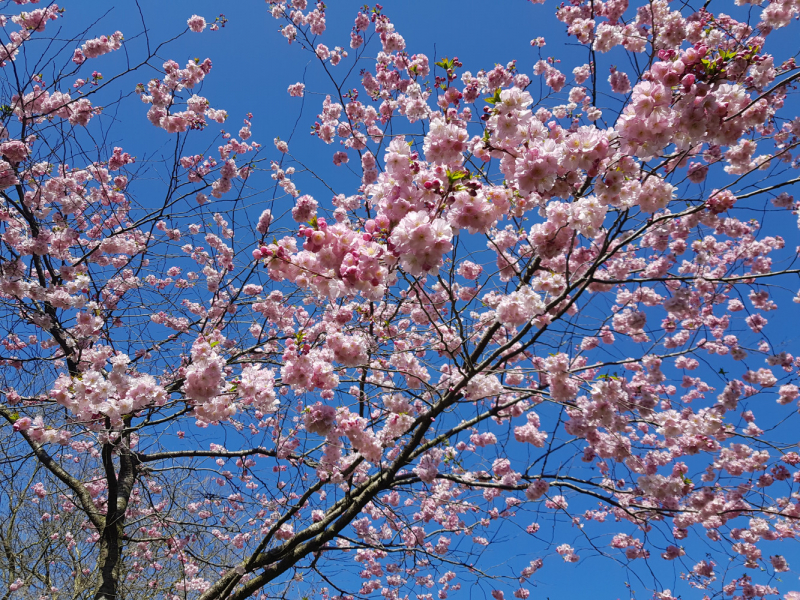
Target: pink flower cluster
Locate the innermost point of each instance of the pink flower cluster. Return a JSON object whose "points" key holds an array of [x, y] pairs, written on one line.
{"points": [[196, 23], [98, 47], [113, 394], [205, 381], [161, 94], [39, 104], [421, 242]]}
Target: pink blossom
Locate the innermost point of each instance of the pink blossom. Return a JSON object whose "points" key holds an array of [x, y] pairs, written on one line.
{"points": [[469, 270], [537, 489], [196, 23], [263, 222], [320, 419], [7, 176], [297, 89], [619, 81], [99, 46], [305, 209], [14, 151]]}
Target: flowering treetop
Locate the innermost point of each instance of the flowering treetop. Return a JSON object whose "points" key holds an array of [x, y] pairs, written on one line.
{"points": [[540, 312]]}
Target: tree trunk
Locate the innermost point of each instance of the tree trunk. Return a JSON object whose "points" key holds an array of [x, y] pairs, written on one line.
{"points": [[110, 560], [119, 492]]}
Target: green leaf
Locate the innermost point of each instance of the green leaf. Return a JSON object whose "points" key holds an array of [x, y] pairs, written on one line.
{"points": [[453, 176], [494, 98], [445, 63]]}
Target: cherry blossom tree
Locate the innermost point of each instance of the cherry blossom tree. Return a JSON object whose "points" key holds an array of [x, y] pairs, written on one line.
{"points": [[540, 327]]}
